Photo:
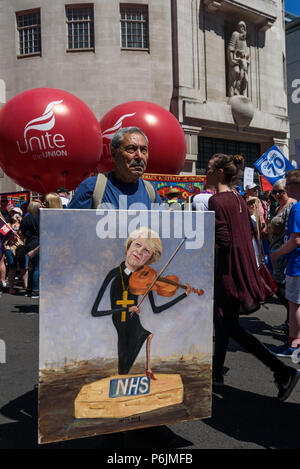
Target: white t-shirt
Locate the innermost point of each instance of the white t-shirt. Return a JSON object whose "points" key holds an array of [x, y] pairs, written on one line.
{"points": [[200, 201], [64, 200]]}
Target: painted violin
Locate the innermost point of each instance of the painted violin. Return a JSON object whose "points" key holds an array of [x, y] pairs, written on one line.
{"points": [[146, 279]]}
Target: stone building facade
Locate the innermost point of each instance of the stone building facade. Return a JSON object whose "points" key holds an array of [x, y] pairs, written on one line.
{"points": [[293, 83], [173, 53]]}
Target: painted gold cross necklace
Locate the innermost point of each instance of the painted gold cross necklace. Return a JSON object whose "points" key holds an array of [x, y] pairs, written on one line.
{"points": [[124, 302]]}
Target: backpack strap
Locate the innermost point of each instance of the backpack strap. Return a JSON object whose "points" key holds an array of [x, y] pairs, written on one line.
{"points": [[99, 189], [150, 190], [101, 185]]}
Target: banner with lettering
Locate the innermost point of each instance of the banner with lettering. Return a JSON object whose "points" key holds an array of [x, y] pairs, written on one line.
{"points": [[129, 351], [187, 185], [17, 199]]}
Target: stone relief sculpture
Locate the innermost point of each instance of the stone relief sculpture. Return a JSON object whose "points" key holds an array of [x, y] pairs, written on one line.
{"points": [[238, 61]]}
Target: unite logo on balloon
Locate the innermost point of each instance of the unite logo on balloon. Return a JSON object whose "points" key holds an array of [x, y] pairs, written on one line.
{"points": [[108, 133], [46, 144]]}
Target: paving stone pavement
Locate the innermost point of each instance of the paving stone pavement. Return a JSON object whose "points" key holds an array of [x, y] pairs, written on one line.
{"points": [[245, 412]]}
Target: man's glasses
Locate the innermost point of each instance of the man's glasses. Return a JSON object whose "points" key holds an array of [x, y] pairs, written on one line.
{"points": [[280, 192]]}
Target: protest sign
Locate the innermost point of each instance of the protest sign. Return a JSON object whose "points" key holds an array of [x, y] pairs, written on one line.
{"points": [[4, 228], [98, 373], [273, 164], [248, 176]]}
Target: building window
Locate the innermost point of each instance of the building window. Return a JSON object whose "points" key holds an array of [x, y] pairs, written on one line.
{"points": [[80, 25], [29, 33], [207, 147], [134, 26]]}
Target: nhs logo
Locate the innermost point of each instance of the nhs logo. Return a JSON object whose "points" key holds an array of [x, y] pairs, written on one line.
{"points": [[130, 386]]}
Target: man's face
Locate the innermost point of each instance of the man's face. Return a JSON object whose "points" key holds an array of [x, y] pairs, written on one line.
{"points": [[131, 157], [138, 254], [253, 192]]}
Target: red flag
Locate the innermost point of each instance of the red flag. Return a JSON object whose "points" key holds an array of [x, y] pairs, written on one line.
{"points": [[4, 228], [266, 185]]}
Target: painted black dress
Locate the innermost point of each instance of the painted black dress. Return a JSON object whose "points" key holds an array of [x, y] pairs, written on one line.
{"points": [[131, 334]]}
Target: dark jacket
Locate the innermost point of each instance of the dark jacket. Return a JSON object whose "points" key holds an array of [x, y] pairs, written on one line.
{"points": [[30, 229]]}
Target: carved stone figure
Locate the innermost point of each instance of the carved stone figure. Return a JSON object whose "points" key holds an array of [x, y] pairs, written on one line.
{"points": [[238, 61]]}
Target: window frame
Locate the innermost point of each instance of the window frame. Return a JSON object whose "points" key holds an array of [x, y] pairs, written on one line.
{"points": [[37, 26], [143, 6], [208, 146], [85, 21]]}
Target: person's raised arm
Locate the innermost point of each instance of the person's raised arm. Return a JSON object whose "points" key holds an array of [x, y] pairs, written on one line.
{"points": [[288, 247]]}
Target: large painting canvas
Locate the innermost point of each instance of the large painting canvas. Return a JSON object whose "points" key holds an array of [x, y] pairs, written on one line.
{"points": [[125, 320]]}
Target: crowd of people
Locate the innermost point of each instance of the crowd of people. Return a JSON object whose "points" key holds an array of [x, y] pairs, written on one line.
{"points": [[250, 229], [239, 287], [19, 249], [269, 215]]}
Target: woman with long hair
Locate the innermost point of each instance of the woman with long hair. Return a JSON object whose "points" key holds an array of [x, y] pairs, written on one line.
{"points": [[53, 200], [238, 287]]}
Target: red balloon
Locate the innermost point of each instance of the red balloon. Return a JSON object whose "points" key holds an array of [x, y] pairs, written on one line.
{"points": [[167, 147], [49, 138]]}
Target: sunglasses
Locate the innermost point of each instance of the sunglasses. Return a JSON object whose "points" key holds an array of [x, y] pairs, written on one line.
{"points": [[251, 203], [280, 192]]}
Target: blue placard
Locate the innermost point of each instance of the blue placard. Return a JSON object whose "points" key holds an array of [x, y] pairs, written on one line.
{"points": [[273, 164], [129, 386]]}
